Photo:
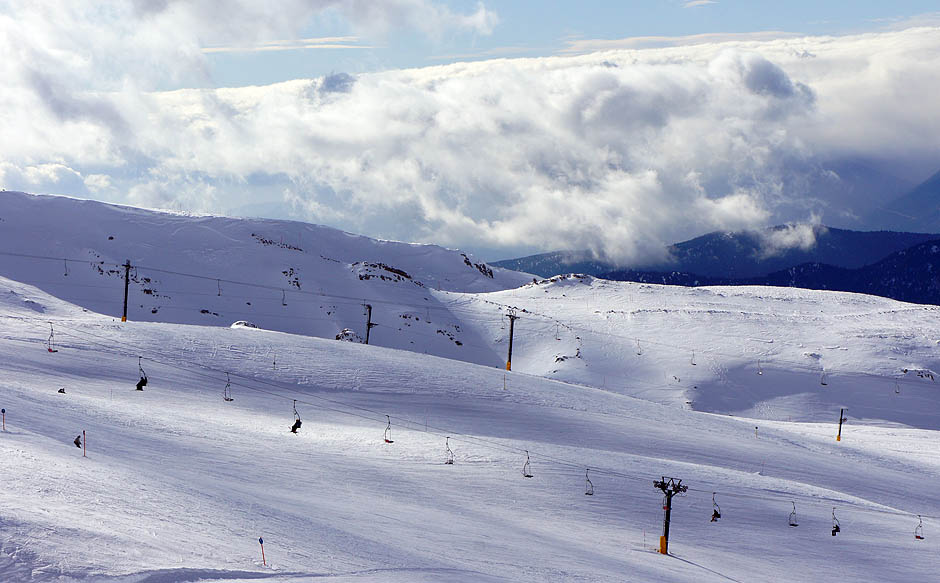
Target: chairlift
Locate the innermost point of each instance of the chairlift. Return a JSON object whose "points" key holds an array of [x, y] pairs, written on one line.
{"points": [[588, 484], [283, 297], [526, 473], [450, 454], [66, 261], [388, 430], [219, 283], [639, 351], [297, 421], [897, 388], [50, 343], [693, 358], [919, 529], [836, 527], [227, 391], [143, 375], [823, 378], [760, 370], [716, 510], [792, 519]]}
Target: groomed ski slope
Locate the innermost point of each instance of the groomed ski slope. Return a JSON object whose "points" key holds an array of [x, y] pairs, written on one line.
{"points": [[178, 484]]}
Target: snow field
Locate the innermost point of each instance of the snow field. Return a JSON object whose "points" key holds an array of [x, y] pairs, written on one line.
{"points": [[179, 484]]}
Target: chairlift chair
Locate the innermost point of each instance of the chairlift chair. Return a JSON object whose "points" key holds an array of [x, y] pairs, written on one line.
{"points": [[526, 473], [143, 375], [297, 421], [823, 378], [919, 529], [716, 510], [760, 370], [693, 359], [639, 351], [792, 519], [227, 391], [588, 484], [450, 454], [50, 343], [388, 430], [836, 527], [897, 388]]}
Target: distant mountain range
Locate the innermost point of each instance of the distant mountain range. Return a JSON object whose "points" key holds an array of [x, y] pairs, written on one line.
{"points": [[918, 210], [902, 263], [910, 275], [902, 266], [739, 255]]}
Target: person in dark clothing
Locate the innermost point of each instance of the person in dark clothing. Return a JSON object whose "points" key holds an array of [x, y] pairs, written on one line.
{"points": [[78, 441], [141, 383], [295, 426]]}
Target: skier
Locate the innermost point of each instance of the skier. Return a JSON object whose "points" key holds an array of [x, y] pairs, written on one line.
{"points": [[142, 383], [62, 390], [295, 426], [78, 442]]}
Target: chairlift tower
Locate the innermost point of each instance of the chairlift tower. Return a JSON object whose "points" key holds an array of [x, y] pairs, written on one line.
{"points": [[670, 487], [512, 321]]}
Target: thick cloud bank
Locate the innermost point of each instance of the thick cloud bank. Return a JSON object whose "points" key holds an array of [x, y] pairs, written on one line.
{"points": [[620, 151]]}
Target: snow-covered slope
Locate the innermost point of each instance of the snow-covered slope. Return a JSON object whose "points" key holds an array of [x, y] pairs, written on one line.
{"points": [[875, 356], [178, 485], [721, 387], [280, 275]]}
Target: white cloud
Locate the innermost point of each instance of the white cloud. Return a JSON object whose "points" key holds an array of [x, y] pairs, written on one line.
{"points": [[621, 151], [791, 236], [333, 42], [694, 3], [580, 46]]}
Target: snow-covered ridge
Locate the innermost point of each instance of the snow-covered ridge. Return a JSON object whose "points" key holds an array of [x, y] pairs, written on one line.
{"points": [[281, 275]]}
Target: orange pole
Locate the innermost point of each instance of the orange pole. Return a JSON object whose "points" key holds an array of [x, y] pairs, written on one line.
{"points": [[261, 540]]}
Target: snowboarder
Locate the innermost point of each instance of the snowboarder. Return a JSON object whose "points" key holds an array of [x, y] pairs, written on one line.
{"points": [[62, 390], [78, 442], [295, 426]]}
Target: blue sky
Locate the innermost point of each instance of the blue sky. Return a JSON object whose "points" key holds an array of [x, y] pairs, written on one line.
{"points": [[528, 28]]}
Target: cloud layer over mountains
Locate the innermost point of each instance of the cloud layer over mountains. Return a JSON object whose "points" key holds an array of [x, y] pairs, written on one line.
{"points": [[618, 151]]}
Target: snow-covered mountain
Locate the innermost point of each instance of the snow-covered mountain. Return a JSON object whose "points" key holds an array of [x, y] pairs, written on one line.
{"points": [[279, 275], [735, 390]]}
